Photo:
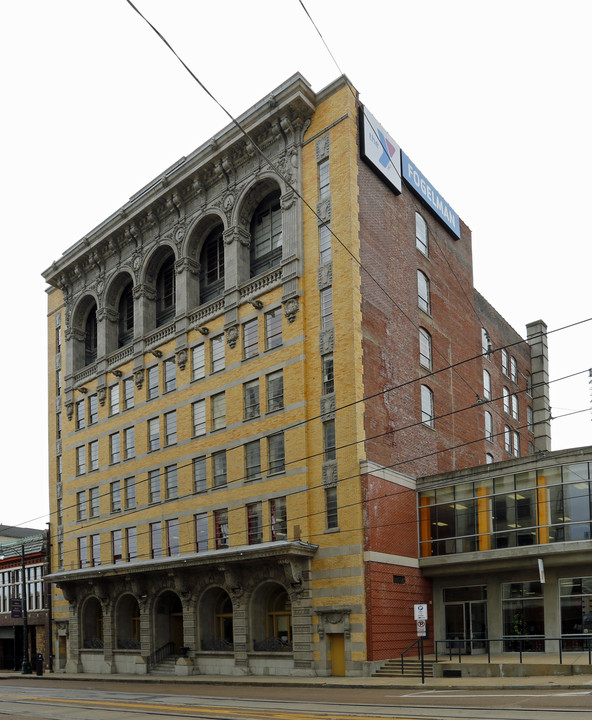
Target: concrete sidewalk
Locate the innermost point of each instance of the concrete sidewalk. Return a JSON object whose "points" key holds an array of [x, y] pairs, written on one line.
{"points": [[579, 682]]}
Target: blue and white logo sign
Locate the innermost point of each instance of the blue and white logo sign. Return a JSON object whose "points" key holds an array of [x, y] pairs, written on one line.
{"points": [[380, 151], [429, 193]]}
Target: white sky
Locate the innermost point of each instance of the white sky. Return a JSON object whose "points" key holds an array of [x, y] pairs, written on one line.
{"points": [[490, 99]]}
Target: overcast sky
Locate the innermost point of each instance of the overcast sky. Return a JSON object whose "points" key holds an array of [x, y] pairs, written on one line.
{"points": [[490, 99]]}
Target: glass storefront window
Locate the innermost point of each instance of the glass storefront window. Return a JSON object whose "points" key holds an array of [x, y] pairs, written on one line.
{"points": [[576, 612], [523, 617]]}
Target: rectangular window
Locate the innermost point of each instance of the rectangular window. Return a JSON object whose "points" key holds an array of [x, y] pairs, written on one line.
{"points": [[515, 407], [114, 399], [423, 292], [58, 383], [130, 493], [80, 415], [251, 338], [80, 460], [219, 466], [329, 440], [326, 307], [276, 453], [95, 550], [93, 502], [93, 455], [221, 527], [506, 399], [254, 524], [516, 437], [81, 505], [131, 541], [529, 419], [201, 532], [324, 186], [486, 385], [172, 488], [251, 399], [253, 460], [198, 362], [488, 426], [117, 546], [328, 374], [507, 439], [59, 511], [427, 406], [324, 244], [425, 349], [199, 475], [152, 382], [58, 336], [93, 410], [218, 358], [513, 370], [331, 508], [273, 328], [154, 485], [114, 448], [82, 552], [153, 434], [199, 418], [58, 425], [129, 440], [275, 391], [505, 362], [278, 519], [218, 411], [170, 428], [155, 540], [59, 468], [128, 393], [116, 496], [170, 375], [172, 528]]}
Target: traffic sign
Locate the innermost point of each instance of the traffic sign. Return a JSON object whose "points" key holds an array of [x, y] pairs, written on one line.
{"points": [[421, 628], [420, 612]]}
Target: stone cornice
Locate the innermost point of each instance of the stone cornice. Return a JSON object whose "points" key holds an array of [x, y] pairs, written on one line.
{"points": [[240, 555]]}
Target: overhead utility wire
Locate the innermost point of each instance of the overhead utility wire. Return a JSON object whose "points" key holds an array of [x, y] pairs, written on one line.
{"points": [[290, 493]]}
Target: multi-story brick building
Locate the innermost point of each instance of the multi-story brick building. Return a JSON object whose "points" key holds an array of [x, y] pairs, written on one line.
{"points": [[24, 549], [250, 364]]}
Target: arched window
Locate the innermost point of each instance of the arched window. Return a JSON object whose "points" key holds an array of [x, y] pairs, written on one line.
{"points": [[271, 619], [92, 624], [165, 291], [216, 620], [266, 234], [421, 234], [128, 623], [488, 426], [425, 349], [427, 406], [223, 620], [423, 292], [211, 260], [90, 336], [126, 316]]}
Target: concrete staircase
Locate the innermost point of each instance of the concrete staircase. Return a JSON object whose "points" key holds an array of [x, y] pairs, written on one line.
{"points": [[166, 667], [392, 668]]}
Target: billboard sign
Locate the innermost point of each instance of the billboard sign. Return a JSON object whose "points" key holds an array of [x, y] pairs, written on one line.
{"points": [[380, 151], [16, 608], [430, 195]]}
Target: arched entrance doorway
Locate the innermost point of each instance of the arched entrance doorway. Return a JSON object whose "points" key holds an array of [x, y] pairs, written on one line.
{"points": [[168, 622]]}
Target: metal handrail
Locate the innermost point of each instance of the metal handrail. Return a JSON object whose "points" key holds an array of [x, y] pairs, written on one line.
{"points": [[162, 653], [521, 639], [416, 642]]}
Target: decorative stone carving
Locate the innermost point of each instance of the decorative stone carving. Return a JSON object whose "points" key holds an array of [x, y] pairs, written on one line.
{"points": [[232, 336], [102, 395], [325, 275], [139, 378], [69, 410], [324, 211], [182, 359], [322, 148], [291, 307], [328, 407], [239, 234], [186, 264], [330, 473], [144, 291], [288, 199], [326, 341]]}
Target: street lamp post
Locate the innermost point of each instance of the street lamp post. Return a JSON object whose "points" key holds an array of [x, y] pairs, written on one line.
{"points": [[26, 668]]}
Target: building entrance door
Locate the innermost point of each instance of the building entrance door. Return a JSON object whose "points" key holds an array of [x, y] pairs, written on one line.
{"points": [[337, 653], [467, 621]]}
